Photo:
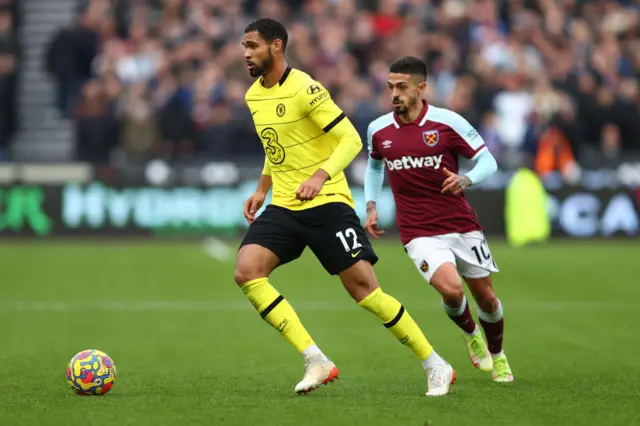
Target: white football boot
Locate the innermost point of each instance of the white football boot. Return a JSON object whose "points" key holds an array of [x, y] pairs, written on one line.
{"points": [[439, 379], [317, 371]]}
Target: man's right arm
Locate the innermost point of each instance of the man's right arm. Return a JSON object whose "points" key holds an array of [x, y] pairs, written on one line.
{"points": [[373, 179], [256, 200], [374, 174], [265, 182]]}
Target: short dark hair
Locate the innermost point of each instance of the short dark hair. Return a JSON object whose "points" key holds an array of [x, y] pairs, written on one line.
{"points": [[409, 65], [270, 30]]}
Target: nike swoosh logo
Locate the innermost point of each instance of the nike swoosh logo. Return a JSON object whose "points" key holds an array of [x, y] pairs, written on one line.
{"points": [[356, 253], [254, 112]]}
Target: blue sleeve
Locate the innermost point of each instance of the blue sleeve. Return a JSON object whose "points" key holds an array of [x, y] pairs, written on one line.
{"points": [[485, 166], [373, 178], [374, 175]]}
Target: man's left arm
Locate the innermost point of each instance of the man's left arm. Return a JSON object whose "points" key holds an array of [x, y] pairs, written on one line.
{"points": [[466, 141], [485, 165], [329, 117]]}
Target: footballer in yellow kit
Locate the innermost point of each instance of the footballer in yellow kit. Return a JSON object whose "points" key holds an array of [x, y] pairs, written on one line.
{"points": [[308, 142], [303, 131], [300, 127]]}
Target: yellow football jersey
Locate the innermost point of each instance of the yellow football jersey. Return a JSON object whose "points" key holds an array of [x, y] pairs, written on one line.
{"points": [[293, 119]]}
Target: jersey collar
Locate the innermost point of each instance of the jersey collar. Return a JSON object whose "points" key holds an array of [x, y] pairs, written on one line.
{"points": [[284, 76], [419, 121], [282, 79]]}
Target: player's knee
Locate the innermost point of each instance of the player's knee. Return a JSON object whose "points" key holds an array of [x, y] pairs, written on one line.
{"points": [[359, 280], [451, 291], [449, 286], [244, 273], [453, 295], [240, 276], [489, 303], [254, 262], [360, 288]]}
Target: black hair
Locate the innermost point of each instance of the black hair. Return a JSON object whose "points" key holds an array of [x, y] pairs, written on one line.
{"points": [[410, 65], [270, 30]]}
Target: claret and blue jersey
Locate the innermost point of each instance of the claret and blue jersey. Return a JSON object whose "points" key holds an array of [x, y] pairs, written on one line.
{"points": [[415, 155]]}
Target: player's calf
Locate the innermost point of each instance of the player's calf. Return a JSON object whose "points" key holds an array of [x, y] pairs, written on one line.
{"points": [[447, 282], [253, 266], [492, 322], [360, 282], [489, 311], [476, 346], [493, 325]]}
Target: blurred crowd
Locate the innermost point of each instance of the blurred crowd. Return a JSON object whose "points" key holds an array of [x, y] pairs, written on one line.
{"points": [[549, 83], [8, 72]]}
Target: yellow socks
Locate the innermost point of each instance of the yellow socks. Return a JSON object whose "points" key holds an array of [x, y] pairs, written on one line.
{"points": [[398, 321], [274, 309]]}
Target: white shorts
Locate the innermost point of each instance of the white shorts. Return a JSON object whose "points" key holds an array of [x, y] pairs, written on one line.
{"points": [[469, 252]]}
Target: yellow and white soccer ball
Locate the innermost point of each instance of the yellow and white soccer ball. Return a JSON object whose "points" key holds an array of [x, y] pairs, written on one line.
{"points": [[91, 372]]}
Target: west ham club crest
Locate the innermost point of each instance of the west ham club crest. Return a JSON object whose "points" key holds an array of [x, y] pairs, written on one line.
{"points": [[431, 137]]}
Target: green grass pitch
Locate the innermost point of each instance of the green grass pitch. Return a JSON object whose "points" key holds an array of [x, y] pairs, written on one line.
{"points": [[190, 350]]}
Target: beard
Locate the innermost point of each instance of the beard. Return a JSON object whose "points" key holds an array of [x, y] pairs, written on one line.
{"points": [[262, 69], [400, 109], [403, 107]]}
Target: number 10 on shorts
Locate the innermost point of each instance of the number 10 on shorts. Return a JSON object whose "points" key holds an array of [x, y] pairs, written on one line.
{"points": [[349, 234], [481, 252]]}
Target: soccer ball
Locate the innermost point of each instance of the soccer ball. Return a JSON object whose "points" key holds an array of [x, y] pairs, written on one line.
{"points": [[91, 372]]}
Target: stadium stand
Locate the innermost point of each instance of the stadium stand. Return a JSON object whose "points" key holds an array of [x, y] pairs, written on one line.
{"points": [[546, 82], [9, 54]]}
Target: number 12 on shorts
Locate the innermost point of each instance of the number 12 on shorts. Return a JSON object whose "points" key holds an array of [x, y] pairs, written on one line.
{"points": [[349, 233]]}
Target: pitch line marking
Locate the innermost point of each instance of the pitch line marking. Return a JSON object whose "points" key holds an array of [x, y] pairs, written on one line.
{"points": [[217, 249], [318, 306]]}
